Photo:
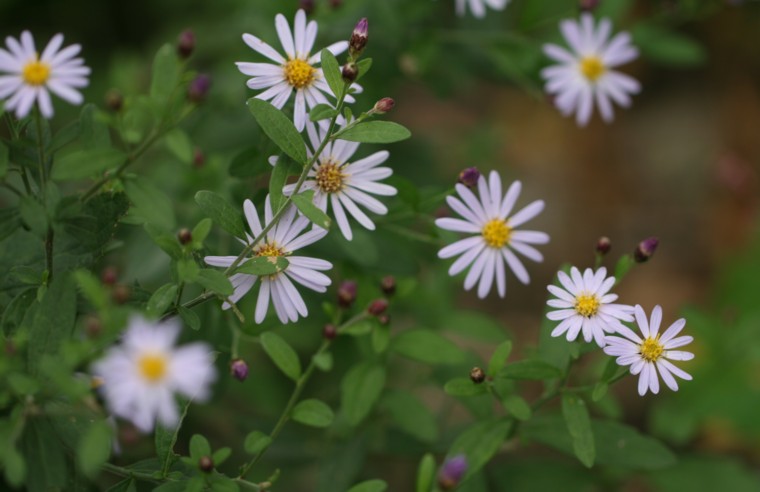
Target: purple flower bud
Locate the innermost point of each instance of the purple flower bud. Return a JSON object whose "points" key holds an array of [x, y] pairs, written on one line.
{"points": [[358, 38], [603, 245], [239, 369], [452, 471], [388, 285], [186, 43], [377, 307], [347, 293], [645, 249], [350, 72], [329, 332], [198, 88], [469, 177], [384, 105]]}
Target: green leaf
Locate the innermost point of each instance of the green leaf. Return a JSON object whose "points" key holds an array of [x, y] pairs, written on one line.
{"points": [[278, 128], [151, 203], [323, 361], [222, 213], [376, 132], [277, 182], [411, 415], [427, 346], [10, 220], [363, 65], [369, 486], [33, 214], [425, 473], [463, 387], [221, 455], [283, 356], [165, 73], [45, 456], [670, 48], [263, 265], [167, 242], [322, 112], [579, 426], [93, 130], [200, 232], [94, 448], [529, 369], [85, 163], [161, 299], [53, 322], [189, 317], [92, 289], [623, 265], [3, 160], [165, 439], [610, 370], [517, 406], [359, 328], [256, 442], [360, 389], [127, 485], [305, 203], [474, 325], [314, 413], [381, 338], [199, 447], [180, 145], [215, 281], [332, 71], [499, 357], [480, 442]]}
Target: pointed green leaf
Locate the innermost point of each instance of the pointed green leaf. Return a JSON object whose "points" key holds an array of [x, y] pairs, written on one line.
{"points": [[579, 426], [322, 112], [165, 74], [517, 406], [277, 182], [369, 486], [363, 65], [263, 265], [411, 415], [283, 356], [360, 389], [425, 473], [312, 412], [53, 322], [221, 212], [180, 145], [94, 448], [463, 387], [151, 204], [305, 203], [189, 317], [33, 214], [3, 160], [200, 232], [278, 128], [499, 357], [161, 299], [332, 71], [215, 281], [199, 447], [256, 442], [529, 369], [480, 442], [376, 132]]}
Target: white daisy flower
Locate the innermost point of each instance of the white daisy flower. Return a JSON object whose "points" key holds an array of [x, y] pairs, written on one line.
{"points": [[341, 184], [586, 74], [496, 236], [478, 7], [584, 303], [296, 72], [651, 353], [26, 76], [141, 375], [282, 240]]}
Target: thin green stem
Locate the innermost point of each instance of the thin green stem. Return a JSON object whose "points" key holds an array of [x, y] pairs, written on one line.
{"points": [[127, 473], [40, 152]]}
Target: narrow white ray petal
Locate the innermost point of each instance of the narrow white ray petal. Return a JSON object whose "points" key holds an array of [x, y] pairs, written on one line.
{"points": [[476, 270], [263, 48], [655, 320], [516, 266], [457, 225], [526, 214], [486, 279], [467, 258], [262, 302], [508, 203]]}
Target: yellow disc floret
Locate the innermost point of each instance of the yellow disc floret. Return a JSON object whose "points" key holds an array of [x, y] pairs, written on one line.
{"points": [[153, 367], [651, 349], [269, 249], [496, 233], [586, 305], [299, 73], [329, 177], [36, 73], [592, 68]]}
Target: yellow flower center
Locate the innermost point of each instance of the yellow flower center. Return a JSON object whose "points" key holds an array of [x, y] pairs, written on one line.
{"points": [[651, 349], [36, 72], [269, 249], [153, 367], [496, 232], [592, 68], [329, 177], [299, 73], [587, 306]]}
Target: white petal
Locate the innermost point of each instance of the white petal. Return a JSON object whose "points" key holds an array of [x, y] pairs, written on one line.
{"points": [[263, 48]]}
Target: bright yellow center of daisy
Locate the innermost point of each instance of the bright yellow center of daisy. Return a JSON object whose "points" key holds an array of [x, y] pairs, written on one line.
{"points": [[329, 177], [36, 72], [587, 306], [496, 232], [269, 249], [592, 68], [299, 73], [153, 367], [651, 349]]}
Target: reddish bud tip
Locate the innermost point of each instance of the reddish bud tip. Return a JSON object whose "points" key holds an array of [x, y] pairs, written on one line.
{"points": [[307, 6], [199, 158], [388, 285], [603, 245], [239, 369], [588, 5], [121, 294], [452, 471], [377, 307], [358, 38], [206, 464], [646, 249], [198, 88], [184, 236], [109, 275], [384, 105], [347, 293], [329, 332], [469, 177], [186, 43], [114, 100]]}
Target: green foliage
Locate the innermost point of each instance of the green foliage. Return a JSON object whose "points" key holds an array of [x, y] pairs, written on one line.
{"points": [[305, 203], [282, 354], [278, 128], [312, 412], [360, 390], [331, 69], [221, 212], [427, 346], [375, 132], [579, 426], [369, 486]]}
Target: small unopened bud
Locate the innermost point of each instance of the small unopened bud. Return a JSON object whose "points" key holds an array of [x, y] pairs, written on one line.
{"points": [[186, 43], [469, 177], [307, 6], [336, 3], [452, 471], [109, 275], [388, 285], [114, 100], [588, 5], [199, 158], [93, 327], [350, 72], [384, 319], [206, 464], [198, 88], [239, 369], [477, 375], [377, 307], [121, 294], [346, 294], [384, 105], [329, 332], [184, 236], [358, 38], [603, 245], [645, 249]]}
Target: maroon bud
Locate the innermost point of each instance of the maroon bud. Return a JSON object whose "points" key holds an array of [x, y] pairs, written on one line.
{"points": [[645, 249], [121, 294], [109, 275], [603, 246], [358, 38], [350, 72], [93, 327], [206, 464], [329, 332], [469, 177], [452, 471], [477, 375], [199, 158], [198, 88], [588, 5], [336, 3], [186, 43], [384, 105], [307, 6], [347, 293], [239, 369], [114, 100], [184, 236], [377, 307], [388, 285]]}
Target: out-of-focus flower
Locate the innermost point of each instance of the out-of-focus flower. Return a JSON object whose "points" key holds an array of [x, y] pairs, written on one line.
{"points": [[142, 374], [645, 249], [584, 304], [282, 240], [452, 471], [26, 76], [239, 369], [585, 75], [469, 176], [496, 236], [478, 7], [651, 353]]}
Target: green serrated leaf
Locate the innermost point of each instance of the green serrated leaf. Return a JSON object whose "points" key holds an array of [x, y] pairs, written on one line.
{"points": [[222, 213], [278, 128], [331, 69], [360, 390], [94, 448], [427, 346], [529, 369], [215, 281], [263, 265], [161, 299], [256, 442], [322, 112], [463, 387], [499, 357], [85, 163], [376, 132], [305, 203], [312, 412], [282, 354]]}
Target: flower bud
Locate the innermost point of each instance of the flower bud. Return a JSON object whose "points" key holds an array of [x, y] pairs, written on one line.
{"points": [[114, 100], [588, 5], [206, 464], [377, 307], [186, 43], [121, 294], [451, 472], [358, 38], [184, 236], [346, 294], [603, 246], [199, 158], [109, 275], [469, 177], [384, 105], [477, 375], [334, 4], [93, 327], [350, 72], [388, 285], [645, 249], [329, 332], [307, 6], [198, 88], [239, 369]]}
